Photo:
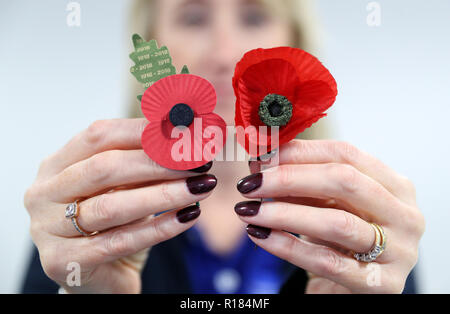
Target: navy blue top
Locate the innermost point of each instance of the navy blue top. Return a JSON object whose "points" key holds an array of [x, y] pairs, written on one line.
{"points": [[247, 269]]}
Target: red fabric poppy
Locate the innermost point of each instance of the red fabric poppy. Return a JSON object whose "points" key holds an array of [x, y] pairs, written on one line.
{"points": [[291, 73], [183, 104]]}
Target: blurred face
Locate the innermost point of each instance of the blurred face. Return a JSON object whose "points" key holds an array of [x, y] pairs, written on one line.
{"points": [[210, 36]]}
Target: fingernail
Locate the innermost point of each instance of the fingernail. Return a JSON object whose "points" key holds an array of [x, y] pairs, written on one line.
{"points": [[204, 168], [258, 232], [250, 183], [247, 208], [201, 184], [189, 213]]}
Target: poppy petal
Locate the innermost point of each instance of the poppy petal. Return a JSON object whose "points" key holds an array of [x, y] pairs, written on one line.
{"points": [[257, 82], [207, 131], [314, 97], [307, 66], [192, 90]]}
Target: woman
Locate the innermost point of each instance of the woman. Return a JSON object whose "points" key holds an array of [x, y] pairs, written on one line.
{"points": [[329, 192]]}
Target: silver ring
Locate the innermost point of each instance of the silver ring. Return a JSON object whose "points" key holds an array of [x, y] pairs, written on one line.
{"points": [[378, 248], [72, 212]]}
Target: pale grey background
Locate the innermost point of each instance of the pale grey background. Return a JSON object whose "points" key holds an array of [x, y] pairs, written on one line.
{"points": [[393, 101]]}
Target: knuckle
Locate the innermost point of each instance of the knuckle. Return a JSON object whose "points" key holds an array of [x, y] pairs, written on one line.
{"points": [[103, 214], [345, 176], [408, 185], [51, 264], [409, 253], [45, 162], [166, 194], [298, 147], [160, 233], [414, 221], [120, 243], [344, 226], [51, 269], [419, 223], [347, 151], [413, 256], [284, 175], [96, 131], [329, 263], [98, 167], [35, 229], [288, 250], [30, 198]]}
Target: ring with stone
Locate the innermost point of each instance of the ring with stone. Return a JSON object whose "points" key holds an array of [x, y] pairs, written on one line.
{"points": [[378, 248], [72, 213]]}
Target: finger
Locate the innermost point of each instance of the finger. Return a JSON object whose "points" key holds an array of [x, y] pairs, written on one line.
{"points": [[121, 207], [254, 166], [331, 225], [309, 201], [319, 260], [330, 151], [105, 171], [120, 242], [100, 136], [353, 190]]}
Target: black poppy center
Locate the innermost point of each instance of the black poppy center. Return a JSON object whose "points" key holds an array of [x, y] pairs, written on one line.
{"points": [[275, 110], [181, 115]]}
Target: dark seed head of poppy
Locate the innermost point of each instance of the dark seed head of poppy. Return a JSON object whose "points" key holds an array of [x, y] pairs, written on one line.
{"points": [[275, 110], [181, 115]]}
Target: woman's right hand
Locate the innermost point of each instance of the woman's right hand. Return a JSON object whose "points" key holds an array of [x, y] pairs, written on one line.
{"points": [[121, 189]]}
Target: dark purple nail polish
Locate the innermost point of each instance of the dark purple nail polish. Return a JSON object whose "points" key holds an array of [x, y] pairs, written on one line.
{"points": [[247, 208], [258, 232], [250, 183], [189, 213], [201, 184], [202, 169]]}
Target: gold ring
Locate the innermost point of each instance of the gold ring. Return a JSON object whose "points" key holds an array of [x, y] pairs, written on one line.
{"points": [[378, 247]]}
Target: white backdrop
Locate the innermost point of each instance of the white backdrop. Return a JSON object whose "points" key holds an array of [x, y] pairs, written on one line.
{"points": [[393, 101]]}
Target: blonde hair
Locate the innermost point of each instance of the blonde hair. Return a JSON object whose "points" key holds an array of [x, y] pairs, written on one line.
{"points": [[300, 13]]}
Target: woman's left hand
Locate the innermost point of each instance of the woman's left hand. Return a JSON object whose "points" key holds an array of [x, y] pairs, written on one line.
{"points": [[329, 192]]}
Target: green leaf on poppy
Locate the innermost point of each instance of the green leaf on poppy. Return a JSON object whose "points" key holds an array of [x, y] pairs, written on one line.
{"points": [[151, 63]]}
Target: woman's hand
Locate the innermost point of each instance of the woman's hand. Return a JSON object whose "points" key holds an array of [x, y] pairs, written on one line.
{"points": [[329, 192], [121, 190]]}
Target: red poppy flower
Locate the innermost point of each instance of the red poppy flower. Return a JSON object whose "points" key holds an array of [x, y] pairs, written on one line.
{"points": [[285, 87], [179, 108]]}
